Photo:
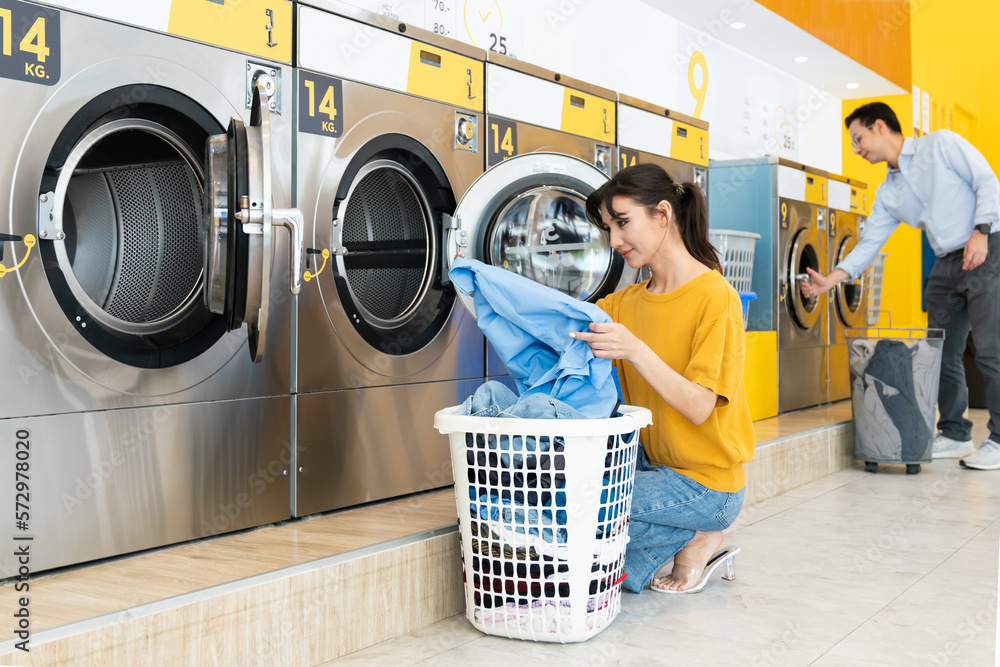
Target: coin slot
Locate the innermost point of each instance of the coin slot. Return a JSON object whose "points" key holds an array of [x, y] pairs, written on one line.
{"points": [[428, 58]]}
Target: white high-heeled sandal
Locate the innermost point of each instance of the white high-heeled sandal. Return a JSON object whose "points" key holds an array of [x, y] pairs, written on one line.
{"points": [[725, 557]]}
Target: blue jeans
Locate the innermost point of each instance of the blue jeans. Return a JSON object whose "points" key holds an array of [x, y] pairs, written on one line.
{"points": [[667, 509], [494, 399]]}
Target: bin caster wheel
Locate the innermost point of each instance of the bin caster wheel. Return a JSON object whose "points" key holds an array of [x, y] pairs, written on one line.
{"points": [[912, 468], [871, 466]]}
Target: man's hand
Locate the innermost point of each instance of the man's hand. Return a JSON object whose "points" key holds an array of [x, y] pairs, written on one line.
{"points": [[820, 284], [975, 250]]}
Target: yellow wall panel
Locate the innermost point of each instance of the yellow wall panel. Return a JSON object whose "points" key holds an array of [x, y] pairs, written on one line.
{"points": [[760, 374]]}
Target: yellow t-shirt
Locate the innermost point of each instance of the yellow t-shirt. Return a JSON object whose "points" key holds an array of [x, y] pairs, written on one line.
{"points": [[697, 330]]}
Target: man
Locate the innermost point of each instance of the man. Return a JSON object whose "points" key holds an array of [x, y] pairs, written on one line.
{"points": [[939, 183]]}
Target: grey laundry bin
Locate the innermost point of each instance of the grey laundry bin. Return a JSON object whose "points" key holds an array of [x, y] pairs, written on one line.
{"points": [[895, 375]]}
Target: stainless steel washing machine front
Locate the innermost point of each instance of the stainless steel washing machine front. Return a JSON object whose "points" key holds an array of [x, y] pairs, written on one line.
{"points": [[387, 140], [802, 321], [145, 418]]}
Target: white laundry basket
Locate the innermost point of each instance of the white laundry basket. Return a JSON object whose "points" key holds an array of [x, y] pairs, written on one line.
{"points": [[543, 507], [736, 255]]}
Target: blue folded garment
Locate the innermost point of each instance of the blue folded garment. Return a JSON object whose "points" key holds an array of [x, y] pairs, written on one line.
{"points": [[529, 326]]}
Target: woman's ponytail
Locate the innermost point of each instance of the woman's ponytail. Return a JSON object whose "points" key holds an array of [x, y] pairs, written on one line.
{"points": [[692, 223]]}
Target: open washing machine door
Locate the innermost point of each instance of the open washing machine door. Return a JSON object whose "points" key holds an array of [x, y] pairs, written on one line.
{"points": [[802, 254], [528, 215], [238, 223]]}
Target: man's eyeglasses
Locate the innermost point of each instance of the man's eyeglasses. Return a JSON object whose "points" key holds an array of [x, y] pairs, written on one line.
{"points": [[856, 138]]}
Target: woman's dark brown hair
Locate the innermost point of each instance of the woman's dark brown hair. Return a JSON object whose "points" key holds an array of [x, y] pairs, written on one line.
{"points": [[647, 185]]}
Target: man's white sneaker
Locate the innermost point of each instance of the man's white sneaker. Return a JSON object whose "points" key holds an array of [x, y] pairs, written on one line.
{"points": [[946, 448], [987, 457]]}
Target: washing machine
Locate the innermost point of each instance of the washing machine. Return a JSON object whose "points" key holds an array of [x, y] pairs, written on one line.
{"points": [[388, 139], [530, 109], [848, 301], [802, 321], [650, 133], [145, 289]]}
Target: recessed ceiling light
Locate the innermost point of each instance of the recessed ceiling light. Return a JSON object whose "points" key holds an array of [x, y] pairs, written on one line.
{"points": [[801, 59], [738, 25], [852, 86]]}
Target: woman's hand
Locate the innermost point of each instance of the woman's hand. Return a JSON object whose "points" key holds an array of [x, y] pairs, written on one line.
{"points": [[610, 340]]}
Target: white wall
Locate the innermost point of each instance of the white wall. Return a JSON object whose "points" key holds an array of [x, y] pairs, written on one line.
{"points": [[627, 46]]}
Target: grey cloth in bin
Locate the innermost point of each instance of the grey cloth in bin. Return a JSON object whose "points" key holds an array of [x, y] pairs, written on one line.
{"points": [[894, 386]]}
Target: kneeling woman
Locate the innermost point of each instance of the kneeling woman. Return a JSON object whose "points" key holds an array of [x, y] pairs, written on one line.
{"points": [[678, 343]]}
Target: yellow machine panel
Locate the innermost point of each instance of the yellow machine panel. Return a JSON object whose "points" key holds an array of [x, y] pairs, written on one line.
{"points": [[859, 200], [816, 189], [588, 115], [260, 27], [444, 76], [689, 144]]}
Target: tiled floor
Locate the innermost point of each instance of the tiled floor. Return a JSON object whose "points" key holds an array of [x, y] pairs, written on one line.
{"points": [[852, 570]]}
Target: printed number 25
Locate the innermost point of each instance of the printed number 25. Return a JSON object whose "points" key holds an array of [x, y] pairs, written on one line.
{"points": [[33, 42], [326, 105], [502, 41]]}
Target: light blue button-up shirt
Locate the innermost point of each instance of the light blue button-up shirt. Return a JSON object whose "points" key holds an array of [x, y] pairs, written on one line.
{"points": [[529, 326], [943, 185]]}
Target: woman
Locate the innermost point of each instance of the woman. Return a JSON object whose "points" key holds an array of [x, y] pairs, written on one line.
{"points": [[678, 343]]}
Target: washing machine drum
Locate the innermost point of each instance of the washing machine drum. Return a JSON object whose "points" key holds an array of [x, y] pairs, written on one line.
{"points": [[133, 246], [120, 223], [385, 239], [802, 255], [387, 232]]}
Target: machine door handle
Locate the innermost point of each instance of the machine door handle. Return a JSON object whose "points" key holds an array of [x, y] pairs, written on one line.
{"points": [[291, 219], [469, 72], [269, 27]]}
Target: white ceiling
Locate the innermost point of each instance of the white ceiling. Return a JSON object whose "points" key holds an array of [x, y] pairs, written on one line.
{"points": [[778, 42]]}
